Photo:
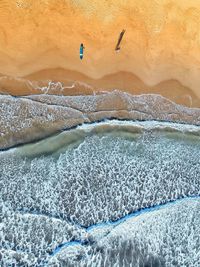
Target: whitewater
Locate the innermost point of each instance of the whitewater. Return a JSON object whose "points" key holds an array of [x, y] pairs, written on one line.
{"points": [[114, 193]]}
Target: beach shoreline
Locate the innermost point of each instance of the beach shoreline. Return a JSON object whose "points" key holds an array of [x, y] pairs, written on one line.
{"points": [[34, 117], [159, 53], [72, 83]]}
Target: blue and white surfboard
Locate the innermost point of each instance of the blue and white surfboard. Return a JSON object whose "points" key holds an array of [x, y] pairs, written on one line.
{"points": [[81, 51]]}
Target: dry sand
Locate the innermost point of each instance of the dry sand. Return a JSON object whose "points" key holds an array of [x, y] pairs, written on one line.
{"points": [[160, 52]]}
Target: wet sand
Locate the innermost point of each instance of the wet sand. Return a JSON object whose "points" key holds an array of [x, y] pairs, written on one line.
{"points": [[66, 82]]}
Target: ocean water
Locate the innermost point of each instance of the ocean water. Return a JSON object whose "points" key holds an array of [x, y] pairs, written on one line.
{"points": [[114, 193]]}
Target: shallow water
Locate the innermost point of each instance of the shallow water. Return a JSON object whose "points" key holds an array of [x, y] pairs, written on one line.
{"points": [[63, 198]]}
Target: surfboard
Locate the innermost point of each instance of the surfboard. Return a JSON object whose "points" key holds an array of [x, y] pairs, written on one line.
{"points": [[81, 51]]}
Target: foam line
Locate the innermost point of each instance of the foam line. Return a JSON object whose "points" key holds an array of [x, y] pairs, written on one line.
{"points": [[121, 220]]}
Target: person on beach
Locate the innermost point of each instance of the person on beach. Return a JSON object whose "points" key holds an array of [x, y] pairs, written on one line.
{"points": [[117, 48], [81, 51]]}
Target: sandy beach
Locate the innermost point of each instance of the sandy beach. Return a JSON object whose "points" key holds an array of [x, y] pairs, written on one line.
{"points": [[39, 54], [99, 140], [159, 52]]}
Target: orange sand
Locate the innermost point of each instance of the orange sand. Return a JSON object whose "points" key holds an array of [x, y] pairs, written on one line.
{"points": [[39, 40]]}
